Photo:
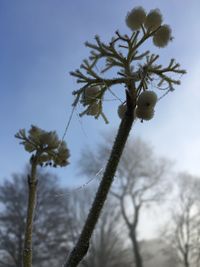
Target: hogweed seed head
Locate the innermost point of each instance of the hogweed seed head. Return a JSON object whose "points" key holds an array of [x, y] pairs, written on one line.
{"points": [[153, 20], [135, 18], [162, 37]]}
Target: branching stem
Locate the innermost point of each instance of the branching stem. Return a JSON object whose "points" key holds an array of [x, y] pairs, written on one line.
{"points": [[82, 245], [32, 185]]}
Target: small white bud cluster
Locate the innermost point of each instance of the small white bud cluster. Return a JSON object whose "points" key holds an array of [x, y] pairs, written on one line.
{"points": [[135, 18], [152, 22], [49, 149], [89, 97], [162, 37], [145, 105], [93, 109]]}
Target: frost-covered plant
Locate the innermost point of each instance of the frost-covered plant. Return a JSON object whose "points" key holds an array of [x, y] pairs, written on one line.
{"points": [[140, 75], [46, 150], [137, 71]]}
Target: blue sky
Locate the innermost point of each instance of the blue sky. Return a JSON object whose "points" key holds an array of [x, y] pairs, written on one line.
{"points": [[41, 41]]}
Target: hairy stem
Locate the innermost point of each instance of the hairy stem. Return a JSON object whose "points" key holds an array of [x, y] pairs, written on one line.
{"points": [[32, 185], [82, 245]]}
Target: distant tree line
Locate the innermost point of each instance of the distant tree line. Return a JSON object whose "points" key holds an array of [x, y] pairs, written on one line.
{"points": [[142, 180]]}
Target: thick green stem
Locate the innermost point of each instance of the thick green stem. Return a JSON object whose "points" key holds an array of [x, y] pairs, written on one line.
{"points": [[32, 184], [82, 244]]}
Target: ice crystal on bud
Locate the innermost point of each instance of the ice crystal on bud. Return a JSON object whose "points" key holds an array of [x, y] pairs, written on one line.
{"points": [[135, 18], [153, 20], [46, 145], [162, 37]]}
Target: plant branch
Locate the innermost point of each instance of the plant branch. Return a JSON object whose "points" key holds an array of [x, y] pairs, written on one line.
{"points": [[32, 184]]}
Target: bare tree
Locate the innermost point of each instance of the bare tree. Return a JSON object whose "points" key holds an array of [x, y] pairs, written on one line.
{"points": [[50, 222], [139, 181], [183, 228]]}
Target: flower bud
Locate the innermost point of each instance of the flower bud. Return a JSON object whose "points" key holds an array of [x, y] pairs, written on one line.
{"points": [[162, 37], [93, 109], [147, 99], [89, 94], [135, 18], [35, 134], [121, 110], [29, 147], [145, 113], [153, 20]]}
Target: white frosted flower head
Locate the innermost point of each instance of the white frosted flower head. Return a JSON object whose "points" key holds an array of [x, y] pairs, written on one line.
{"points": [[153, 20], [93, 109], [162, 37], [135, 18], [90, 94], [49, 150], [121, 110], [49, 139], [35, 134], [147, 99], [144, 113]]}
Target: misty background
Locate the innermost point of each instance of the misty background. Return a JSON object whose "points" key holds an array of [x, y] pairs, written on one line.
{"points": [[42, 41]]}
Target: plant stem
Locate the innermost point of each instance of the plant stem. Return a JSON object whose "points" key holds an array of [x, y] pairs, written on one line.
{"points": [[32, 185], [82, 245]]}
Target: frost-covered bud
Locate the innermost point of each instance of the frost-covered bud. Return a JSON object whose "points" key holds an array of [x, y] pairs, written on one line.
{"points": [[162, 37], [29, 147], [147, 99], [63, 152], [35, 133], [121, 110], [53, 140], [44, 158], [144, 113], [50, 139], [135, 18], [93, 109], [90, 94], [48, 148], [153, 20]]}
